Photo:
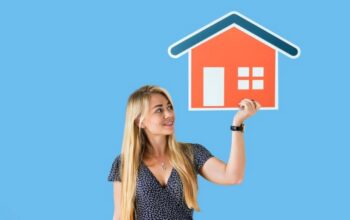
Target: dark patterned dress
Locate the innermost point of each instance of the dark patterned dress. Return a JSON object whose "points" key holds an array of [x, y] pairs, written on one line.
{"points": [[156, 202]]}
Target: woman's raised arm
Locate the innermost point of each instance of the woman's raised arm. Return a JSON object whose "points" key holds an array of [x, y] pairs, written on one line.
{"points": [[216, 170]]}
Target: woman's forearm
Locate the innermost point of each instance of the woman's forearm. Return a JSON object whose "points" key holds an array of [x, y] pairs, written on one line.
{"points": [[236, 164]]}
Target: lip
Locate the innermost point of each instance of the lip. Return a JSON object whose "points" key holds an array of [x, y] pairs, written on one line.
{"points": [[169, 123]]}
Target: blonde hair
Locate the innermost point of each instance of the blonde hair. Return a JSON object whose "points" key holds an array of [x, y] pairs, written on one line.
{"points": [[180, 154]]}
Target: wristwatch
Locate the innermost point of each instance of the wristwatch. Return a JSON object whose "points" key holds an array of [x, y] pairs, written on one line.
{"points": [[238, 128]]}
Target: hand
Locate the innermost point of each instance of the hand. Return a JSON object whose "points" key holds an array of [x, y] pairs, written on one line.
{"points": [[247, 108]]}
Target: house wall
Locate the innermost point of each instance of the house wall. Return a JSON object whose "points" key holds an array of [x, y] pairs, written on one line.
{"points": [[232, 49]]}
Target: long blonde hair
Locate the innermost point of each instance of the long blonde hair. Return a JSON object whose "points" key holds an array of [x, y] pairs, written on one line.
{"points": [[180, 154]]}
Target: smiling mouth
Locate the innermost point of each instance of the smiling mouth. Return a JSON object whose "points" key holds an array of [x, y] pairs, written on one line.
{"points": [[169, 123]]}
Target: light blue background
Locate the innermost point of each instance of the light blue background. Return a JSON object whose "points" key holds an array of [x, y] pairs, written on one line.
{"points": [[67, 68]]}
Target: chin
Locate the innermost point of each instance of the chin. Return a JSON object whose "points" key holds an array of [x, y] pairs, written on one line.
{"points": [[169, 132]]}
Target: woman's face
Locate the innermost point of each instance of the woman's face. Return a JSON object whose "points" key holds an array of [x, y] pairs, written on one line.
{"points": [[160, 118]]}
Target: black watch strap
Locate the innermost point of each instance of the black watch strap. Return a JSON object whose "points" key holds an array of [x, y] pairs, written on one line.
{"points": [[238, 128]]}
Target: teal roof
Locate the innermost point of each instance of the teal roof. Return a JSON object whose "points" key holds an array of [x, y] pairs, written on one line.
{"points": [[233, 18]]}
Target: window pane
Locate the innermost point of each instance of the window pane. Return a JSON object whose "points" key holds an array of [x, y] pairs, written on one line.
{"points": [[243, 84], [243, 71], [258, 71], [258, 84]]}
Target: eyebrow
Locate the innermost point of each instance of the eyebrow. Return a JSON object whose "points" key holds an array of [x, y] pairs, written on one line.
{"points": [[160, 105]]}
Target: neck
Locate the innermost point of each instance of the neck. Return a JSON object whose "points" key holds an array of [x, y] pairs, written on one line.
{"points": [[157, 146]]}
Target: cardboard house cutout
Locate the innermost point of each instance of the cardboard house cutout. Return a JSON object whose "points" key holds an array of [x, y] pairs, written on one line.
{"points": [[230, 59]]}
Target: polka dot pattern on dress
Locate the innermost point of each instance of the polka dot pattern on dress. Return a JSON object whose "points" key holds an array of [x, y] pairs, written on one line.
{"points": [[155, 201]]}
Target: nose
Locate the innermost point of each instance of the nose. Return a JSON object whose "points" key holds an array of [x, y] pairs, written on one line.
{"points": [[168, 113]]}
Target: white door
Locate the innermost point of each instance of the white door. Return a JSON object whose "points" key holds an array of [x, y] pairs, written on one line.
{"points": [[213, 86]]}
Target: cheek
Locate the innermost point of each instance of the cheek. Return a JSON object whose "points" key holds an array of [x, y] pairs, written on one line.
{"points": [[154, 122]]}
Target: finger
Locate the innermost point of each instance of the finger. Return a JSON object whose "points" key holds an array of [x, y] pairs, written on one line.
{"points": [[248, 105], [258, 106], [251, 104], [243, 103], [253, 101]]}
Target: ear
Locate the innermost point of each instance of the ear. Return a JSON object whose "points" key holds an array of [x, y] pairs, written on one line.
{"points": [[138, 124]]}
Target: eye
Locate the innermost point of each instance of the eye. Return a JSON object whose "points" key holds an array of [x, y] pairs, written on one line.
{"points": [[159, 110], [170, 107]]}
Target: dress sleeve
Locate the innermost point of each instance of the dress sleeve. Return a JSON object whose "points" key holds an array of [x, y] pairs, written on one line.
{"points": [[201, 155], [114, 174]]}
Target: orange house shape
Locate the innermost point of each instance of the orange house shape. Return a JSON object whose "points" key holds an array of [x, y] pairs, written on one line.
{"points": [[230, 59]]}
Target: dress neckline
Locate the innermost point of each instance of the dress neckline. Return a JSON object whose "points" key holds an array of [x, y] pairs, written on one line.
{"points": [[155, 178]]}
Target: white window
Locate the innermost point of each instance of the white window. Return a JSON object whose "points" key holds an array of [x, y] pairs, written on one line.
{"points": [[258, 84], [243, 71], [243, 84], [247, 80], [213, 86], [258, 71]]}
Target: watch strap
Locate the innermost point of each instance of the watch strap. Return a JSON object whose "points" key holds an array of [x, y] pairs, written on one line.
{"points": [[237, 128]]}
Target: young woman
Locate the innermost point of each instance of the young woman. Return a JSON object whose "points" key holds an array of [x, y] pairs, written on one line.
{"points": [[155, 177]]}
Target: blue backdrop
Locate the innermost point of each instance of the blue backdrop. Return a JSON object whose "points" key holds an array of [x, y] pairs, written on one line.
{"points": [[67, 68]]}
